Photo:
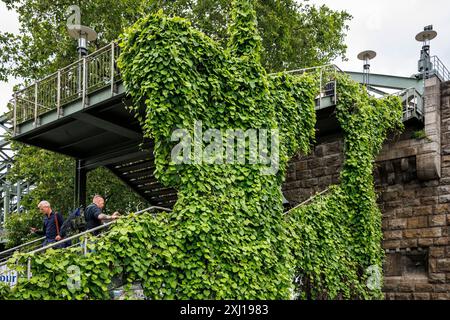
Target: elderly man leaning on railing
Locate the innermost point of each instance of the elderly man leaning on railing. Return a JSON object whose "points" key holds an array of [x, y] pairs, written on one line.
{"points": [[94, 216]]}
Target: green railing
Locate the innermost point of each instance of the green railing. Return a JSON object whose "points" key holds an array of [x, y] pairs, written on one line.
{"points": [[77, 81]]}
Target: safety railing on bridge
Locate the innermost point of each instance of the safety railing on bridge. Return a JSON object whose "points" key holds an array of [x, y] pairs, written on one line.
{"points": [[327, 82], [98, 71], [80, 240], [440, 69], [412, 102], [77, 81]]}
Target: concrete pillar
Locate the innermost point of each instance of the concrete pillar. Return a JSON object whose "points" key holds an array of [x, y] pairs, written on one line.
{"points": [[429, 154]]}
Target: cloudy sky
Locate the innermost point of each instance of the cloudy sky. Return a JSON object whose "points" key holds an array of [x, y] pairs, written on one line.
{"points": [[386, 26], [389, 27]]}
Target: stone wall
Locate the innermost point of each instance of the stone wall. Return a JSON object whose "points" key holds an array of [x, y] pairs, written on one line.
{"points": [[412, 178], [309, 175]]}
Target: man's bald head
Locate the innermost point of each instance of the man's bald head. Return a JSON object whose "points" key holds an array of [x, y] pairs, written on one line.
{"points": [[99, 201]]}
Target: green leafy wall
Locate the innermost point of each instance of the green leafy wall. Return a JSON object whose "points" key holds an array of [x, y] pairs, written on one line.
{"points": [[227, 237]]}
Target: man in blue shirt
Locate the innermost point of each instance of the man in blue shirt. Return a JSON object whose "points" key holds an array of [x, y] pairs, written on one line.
{"points": [[94, 216], [52, 223]]}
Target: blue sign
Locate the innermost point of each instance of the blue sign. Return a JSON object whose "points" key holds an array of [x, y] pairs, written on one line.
{"points": [[8, 276]]}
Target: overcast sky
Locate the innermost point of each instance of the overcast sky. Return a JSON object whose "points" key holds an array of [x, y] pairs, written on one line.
{"points": [[386, 26], [389, 27]]}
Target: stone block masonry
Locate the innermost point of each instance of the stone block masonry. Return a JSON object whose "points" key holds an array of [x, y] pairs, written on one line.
{"points": [[412, 178]]}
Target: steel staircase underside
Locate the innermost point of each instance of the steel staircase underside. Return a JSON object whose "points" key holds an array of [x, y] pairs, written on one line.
{"points": [[139, 176]]}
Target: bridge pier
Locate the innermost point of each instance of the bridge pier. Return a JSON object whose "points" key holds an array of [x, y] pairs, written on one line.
{"points": [[412, 178]]}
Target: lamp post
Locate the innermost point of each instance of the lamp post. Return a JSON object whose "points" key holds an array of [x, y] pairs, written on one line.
{"points": [[366, 56], [425, 65]]}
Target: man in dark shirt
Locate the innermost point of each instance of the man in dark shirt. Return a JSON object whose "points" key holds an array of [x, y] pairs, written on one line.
{"points": [[94, 216], [52, 223]]}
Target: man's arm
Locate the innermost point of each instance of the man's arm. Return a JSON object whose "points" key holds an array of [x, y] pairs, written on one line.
{"points": [[106, 217], [39, 232]]}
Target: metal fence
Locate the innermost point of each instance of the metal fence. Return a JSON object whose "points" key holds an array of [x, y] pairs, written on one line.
{"points": [[77, 81], [327, 81], [440, 69], [412, 101]]}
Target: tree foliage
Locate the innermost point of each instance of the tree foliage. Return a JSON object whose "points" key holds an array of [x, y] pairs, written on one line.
{"points": [[18, 226], [294, 34]]}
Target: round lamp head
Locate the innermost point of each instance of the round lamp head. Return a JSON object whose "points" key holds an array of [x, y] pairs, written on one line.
{"points": [[77, 31], [426, 35], [367, 55]]}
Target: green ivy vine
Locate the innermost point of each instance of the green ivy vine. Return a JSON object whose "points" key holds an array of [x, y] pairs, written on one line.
{"points": [[336, 240], [227, 237]]}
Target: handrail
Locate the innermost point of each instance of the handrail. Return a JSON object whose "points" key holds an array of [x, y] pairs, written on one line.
{"points": [[91, 231], [307, 201], [73, 82], [21, 246], [440, 69]]}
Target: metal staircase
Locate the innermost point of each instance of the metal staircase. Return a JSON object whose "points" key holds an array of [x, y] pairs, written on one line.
{"points": [[139, 176]]}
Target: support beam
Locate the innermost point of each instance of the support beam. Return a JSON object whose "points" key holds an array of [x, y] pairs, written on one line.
{"points": [[80, 184], [377, 91], [119, 154], [6, 198], [389, 82], [127, 183], [82, 141], [107, 125], [18, 195]]}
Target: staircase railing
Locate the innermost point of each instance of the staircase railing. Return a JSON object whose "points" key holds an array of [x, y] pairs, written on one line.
{"points": [[412, 102], [82, 244], [5, 255], [327, 82]]}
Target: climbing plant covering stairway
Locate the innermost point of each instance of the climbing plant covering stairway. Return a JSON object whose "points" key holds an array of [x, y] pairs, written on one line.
{"points": [[227, 237]]}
